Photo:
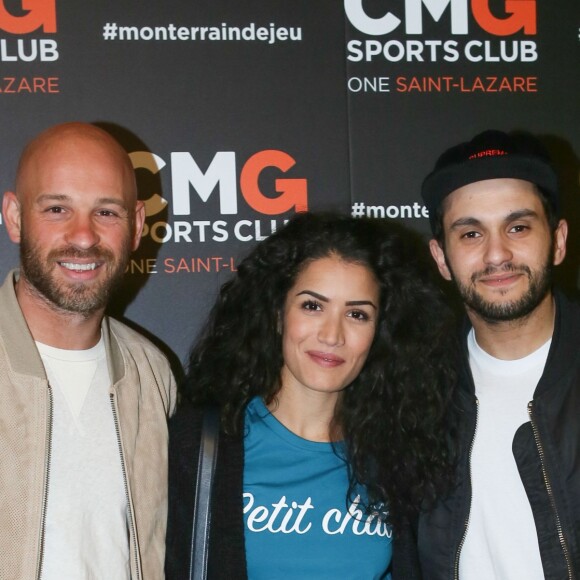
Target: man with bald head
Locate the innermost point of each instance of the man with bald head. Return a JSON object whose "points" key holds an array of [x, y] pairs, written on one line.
{"points": [[83, 399]]}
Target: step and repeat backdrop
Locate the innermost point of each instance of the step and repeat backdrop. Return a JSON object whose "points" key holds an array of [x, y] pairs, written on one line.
{"points": [[238, 114]]}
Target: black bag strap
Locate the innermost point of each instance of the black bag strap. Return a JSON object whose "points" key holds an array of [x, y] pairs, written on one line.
{"points": [[208, 449]]}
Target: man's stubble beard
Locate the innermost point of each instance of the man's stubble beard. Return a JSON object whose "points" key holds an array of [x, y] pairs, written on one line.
{"points": [[539, 285], [78, 298]]}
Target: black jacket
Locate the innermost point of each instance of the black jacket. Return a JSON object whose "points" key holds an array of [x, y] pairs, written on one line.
{"points": [[227, 557], [547, 453]]}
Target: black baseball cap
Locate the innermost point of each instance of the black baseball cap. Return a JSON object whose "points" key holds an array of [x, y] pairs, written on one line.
{"points": [[490, 155]]}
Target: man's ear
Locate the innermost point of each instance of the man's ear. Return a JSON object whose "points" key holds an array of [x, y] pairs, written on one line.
{"points": [[560, 236], [439, 257], [139, 221], [11, 212]]}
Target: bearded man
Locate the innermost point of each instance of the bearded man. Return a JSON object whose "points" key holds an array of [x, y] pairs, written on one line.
{"points": [[514, 511], [84, 400]]}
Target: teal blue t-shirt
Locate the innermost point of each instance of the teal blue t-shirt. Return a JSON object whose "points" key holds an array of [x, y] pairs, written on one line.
{"points": [[297, 522]]}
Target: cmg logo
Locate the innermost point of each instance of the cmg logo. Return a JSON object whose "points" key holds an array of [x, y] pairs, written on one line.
{"points": [[221, 174], [37, 14], [521, 16]]}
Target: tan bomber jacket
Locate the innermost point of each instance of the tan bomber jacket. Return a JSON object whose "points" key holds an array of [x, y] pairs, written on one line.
{"points": [[143, 395]]}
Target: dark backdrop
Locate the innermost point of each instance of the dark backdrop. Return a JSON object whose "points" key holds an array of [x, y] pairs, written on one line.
{"points": [[239, 113]]}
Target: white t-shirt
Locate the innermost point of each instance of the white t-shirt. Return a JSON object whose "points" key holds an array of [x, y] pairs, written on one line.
{"points": [[501, 541], [86, 535]]}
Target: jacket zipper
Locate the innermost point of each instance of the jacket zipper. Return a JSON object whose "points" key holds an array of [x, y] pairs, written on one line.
{"points": [[466, 526], [133, 535], [550, 491], [46, 481]]}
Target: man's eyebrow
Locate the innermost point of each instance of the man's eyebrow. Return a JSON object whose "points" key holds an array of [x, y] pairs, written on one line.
{"points": [[466, 221], [112, 201], [521, 213], [52, 197]]}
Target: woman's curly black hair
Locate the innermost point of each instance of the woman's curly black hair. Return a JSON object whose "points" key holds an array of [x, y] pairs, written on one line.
{"points": [[393, 416]]}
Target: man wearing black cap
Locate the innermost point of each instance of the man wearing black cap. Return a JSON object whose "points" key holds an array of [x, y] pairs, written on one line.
{"points": [[514, 512]]}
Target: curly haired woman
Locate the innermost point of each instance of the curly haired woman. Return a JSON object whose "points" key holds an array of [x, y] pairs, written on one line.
{"points": [[325, 356]]}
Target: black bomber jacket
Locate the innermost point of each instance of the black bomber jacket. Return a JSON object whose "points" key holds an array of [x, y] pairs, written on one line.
{"points": [[547, 453]]}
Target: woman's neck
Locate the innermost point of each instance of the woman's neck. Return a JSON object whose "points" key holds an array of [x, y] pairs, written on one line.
{"points": [[308, 415]]}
